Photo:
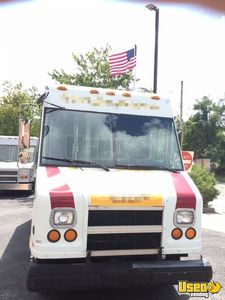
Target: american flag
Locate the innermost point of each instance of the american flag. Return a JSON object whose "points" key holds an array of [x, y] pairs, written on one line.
{"points": [[121, 63]]}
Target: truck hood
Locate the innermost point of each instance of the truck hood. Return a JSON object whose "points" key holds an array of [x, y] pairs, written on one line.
{"points": [[13, 165], [8, 165], [114, 188]]}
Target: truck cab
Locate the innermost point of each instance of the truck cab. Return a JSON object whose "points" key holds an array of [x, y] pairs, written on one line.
{"points": [[113, 205]]}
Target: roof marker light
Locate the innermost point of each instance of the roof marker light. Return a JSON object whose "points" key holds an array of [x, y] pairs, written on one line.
{"points": [[110, 93], [94, 92], [155, 97], [61, 88], [126, 94]]}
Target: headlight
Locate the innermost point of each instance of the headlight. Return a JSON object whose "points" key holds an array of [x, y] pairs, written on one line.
{"points": [[62, 217], [25, 175], [184, 217]]}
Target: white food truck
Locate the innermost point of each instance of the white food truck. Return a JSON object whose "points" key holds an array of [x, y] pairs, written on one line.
{"points": [[113, 205]]}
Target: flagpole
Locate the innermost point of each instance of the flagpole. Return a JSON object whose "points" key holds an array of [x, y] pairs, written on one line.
{"points": [[134, 84], [135, 54]]}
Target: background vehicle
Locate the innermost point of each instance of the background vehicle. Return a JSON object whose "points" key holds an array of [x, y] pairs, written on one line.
{"points": [[15, 175], [113, 205]]}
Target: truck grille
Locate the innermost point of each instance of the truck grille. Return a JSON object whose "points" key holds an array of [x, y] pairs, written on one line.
{"points": [[124, 217], [115, 230], [124, 241], [8, 176]]}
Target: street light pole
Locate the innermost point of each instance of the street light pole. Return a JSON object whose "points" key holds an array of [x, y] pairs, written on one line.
{"points": [[153, 7]]}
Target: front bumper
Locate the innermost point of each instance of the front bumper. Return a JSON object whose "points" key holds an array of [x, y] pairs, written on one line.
{"points": [[16, 186], [98, 275]]}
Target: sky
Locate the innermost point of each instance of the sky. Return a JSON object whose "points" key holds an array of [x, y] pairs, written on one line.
{"points": [[38, 36]]}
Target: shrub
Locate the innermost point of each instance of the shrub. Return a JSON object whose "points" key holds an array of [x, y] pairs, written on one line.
{"points": [[205, 182]]}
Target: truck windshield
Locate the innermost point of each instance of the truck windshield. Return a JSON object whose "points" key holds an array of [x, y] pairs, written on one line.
{"points": [[9, 153], [110, 140]]}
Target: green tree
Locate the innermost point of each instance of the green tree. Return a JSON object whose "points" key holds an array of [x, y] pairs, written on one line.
{"points": [[93, 70], [206, 183], [179, 127], [204, 131], [10, 104]]}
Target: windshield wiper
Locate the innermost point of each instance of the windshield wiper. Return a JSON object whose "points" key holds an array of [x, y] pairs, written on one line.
{"points": [[77, 161], [163, 168]]}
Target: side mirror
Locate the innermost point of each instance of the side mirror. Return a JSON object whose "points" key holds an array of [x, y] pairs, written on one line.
{"points": [[41, 99]]}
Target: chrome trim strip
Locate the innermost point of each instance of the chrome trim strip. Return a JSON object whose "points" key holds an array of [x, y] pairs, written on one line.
{"points": [[123, 252], [8, 175], [124, 229], [8, 181], [125, 208], [16, 186]]}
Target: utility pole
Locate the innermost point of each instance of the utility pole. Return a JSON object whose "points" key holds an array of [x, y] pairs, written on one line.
{"points": [[181, 99], [181, 112], [153, 7]]}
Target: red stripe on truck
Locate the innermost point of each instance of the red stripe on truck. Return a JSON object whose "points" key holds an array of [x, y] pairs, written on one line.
{"points": [[62, 197], [52, 171], [185, 196]]}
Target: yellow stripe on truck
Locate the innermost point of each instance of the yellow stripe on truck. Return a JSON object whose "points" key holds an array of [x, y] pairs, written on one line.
{"points": [[142, 200]]}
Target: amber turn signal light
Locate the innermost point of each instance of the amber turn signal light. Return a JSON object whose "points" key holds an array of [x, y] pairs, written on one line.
{"points": [[190, 233], [53, 236], [70, 235], [176, 233]]}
